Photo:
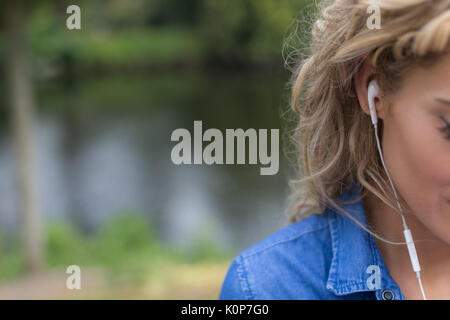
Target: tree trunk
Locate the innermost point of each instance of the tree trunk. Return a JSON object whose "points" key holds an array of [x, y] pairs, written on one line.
{"points": [[21, 103]]}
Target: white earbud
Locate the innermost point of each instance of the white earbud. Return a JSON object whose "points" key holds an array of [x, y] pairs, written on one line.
{"points": [[373, 92]]}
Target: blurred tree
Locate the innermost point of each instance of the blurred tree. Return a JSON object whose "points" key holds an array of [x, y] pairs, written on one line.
{"points": [[226, 28], [21, 102], [247, 31], [175, 12]]}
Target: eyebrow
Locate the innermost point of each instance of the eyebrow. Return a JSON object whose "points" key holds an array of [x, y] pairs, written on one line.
{"points": [[444, 101]]}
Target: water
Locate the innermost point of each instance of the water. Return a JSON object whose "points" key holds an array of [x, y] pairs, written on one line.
{"points": [[104, 148]]}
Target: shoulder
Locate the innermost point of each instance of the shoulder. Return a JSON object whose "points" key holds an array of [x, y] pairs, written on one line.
{"points": [[291, 263]]}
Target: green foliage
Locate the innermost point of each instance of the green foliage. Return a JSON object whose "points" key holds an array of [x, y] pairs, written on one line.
{"points": [[11, 265], [206, 249], [123, 242], [162, 33], [11, 259], [65, 245], [137, 47], [125, 247], [248, 30], [175, 12], [119, 49], [123, 237]]}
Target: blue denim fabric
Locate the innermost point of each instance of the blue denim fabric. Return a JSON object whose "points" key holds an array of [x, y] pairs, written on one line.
{"points": [[325, 256]]}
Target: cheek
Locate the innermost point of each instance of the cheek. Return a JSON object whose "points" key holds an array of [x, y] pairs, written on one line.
{"points": [[427, 154], [417, 157], [431, 155], [414, 156]]}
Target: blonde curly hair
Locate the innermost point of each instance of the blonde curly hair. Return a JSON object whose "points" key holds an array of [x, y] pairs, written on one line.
{"points": [[334, 138]]}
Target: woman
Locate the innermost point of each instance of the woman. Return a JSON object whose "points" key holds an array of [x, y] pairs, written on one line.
{"points": [[346, 239]]}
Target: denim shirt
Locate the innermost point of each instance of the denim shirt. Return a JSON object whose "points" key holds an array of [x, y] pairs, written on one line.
{"points": [[325, 256]]}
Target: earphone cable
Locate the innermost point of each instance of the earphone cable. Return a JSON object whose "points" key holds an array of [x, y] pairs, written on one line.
{"points": [[406, 232]]}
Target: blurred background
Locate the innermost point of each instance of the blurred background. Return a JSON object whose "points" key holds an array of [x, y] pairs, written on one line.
{"points": [[86, 116]]}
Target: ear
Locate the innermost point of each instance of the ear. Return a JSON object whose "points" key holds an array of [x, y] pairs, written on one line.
{"points": [[361, 82]]}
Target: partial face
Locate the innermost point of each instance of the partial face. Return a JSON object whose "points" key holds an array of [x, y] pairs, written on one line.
{"points": [[416, 145]]}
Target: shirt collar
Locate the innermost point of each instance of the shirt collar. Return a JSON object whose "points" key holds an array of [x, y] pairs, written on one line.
{"points": [[355, 253]]}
